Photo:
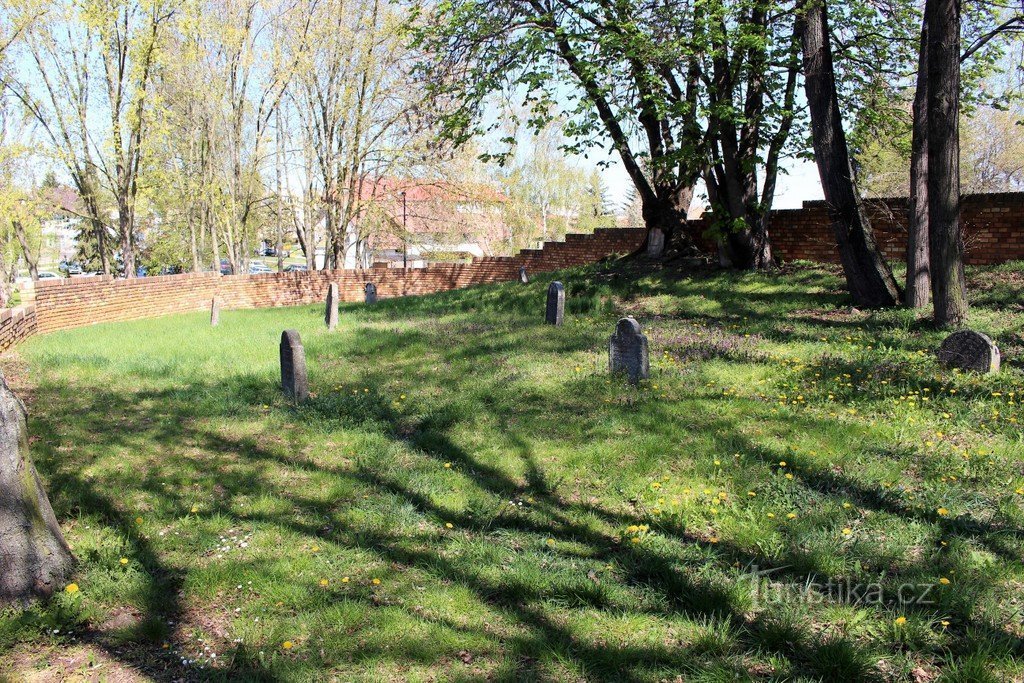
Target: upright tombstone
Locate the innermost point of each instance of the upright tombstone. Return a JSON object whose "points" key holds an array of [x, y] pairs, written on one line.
{"points": [[523, 277], [371, 293], [294, 380], [35, 560], [331, 314], [214, 312], [655, 242], [555, 310], [628, 351], [970, 350]]}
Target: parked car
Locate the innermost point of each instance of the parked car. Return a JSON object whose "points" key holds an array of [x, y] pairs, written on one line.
{"points": [[70, 268], [258, 268], [47, 275], [295, 268], [225, 267], [272, 251]]}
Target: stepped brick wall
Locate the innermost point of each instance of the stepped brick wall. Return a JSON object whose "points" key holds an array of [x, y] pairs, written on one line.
{"points": [[76, 302], [993, 233]]}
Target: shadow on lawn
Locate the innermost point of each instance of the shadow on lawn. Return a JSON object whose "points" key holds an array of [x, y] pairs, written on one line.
{"points": [[99, 419]]}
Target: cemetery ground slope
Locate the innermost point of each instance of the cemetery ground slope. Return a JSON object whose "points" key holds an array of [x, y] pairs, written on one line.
{"points": [[468, 495]]}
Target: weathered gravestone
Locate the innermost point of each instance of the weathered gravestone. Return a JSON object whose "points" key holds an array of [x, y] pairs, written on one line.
{"points": [[523, 277], [628, 351], [331, 314], [214, 312], [970, 350], [294, 380], [371, 293], [35, 560], [655, 242], [556, 304]]}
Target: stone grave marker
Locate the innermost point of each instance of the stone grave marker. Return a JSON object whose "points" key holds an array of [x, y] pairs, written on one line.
{"points": [[628, 351], [655, 242], [371, 293], [331, 314], [523, 277], [294, 380], [214, 312], [555, 311], [970, 350]]}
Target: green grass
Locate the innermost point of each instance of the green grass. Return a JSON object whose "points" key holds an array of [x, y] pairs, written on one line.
{"points": [[527, 516]]}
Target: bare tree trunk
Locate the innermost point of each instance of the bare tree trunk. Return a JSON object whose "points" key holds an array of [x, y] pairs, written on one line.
{"points": [[35, 560], [868, 276], [279, 158], [32, 260], [949, 283], [918, 263]]}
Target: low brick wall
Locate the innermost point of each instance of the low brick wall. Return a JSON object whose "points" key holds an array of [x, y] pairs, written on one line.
{"points": [[77, 302], [993, 226], [16, 324]]}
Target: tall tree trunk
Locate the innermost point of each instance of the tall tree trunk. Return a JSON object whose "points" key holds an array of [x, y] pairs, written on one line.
{"points": [[32, 260], [868, 276], [949, 284], [918, 263], [279, 160], [127, 239], [35, 560]]}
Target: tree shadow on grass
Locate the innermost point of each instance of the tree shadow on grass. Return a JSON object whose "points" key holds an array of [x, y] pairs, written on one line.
{"points": [[692, 578]]}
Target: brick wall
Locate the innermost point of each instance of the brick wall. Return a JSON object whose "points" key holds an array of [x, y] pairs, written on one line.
{"points": [[76, 302], [16, 324], [993, 227]]}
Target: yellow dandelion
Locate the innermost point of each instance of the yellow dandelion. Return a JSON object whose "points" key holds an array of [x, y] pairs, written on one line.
{"points": [[900, 621], [847, 531], [944, 623], [315, 549], [376, 582], [324, 582], [195, 509], [944, 581], [942, 512], [345, 579], [138, 520], [782, 463], [751, 494], [71, 588], [771, 515], [447, 465], [287, 645], [448, 525], [124, 560], [791, 515]]}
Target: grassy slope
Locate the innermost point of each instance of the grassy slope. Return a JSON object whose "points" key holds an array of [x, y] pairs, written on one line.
{"points": [[524, 515]]}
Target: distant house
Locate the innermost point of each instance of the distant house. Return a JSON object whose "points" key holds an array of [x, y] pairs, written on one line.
{"points": [[62, 228], [422, 221]]}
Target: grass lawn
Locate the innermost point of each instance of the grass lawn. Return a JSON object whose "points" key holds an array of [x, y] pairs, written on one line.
{"points": [[799, 493]]}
